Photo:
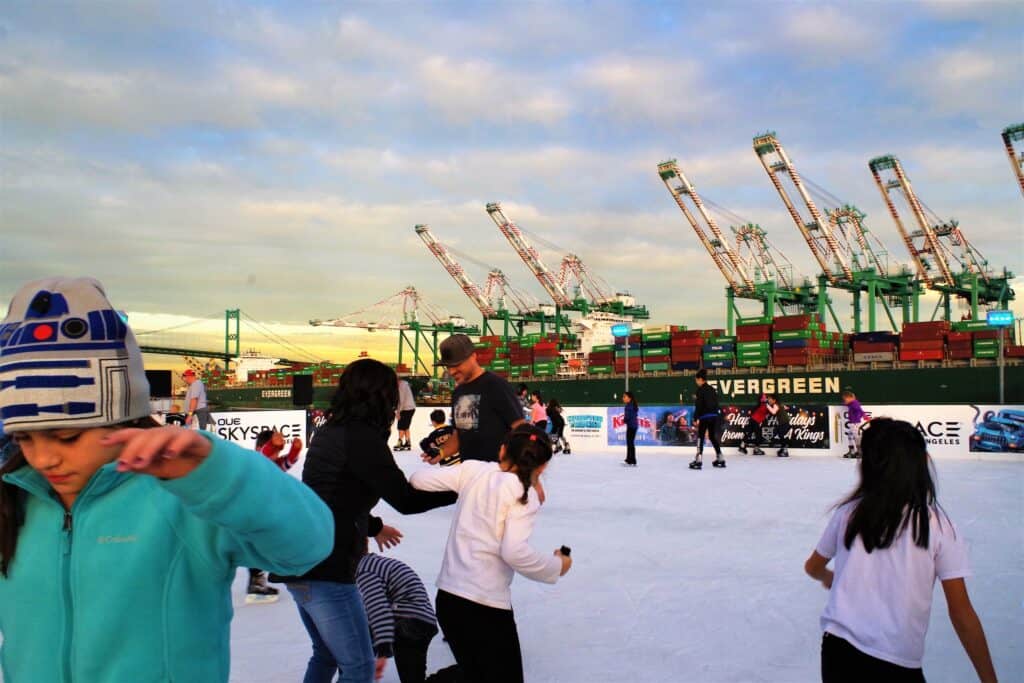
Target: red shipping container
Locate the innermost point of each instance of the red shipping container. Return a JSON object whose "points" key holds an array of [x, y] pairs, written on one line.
{"points": [[987, 334], [745, 336], [1013, 351], [751, 329], [873, 347], [694, 342], [792, 322], [928, 325], [686, 356], [930, 345], [958, 337], [921, 355]]}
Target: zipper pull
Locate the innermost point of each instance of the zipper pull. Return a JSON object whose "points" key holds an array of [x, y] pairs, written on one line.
{"points": [[67, 533]]}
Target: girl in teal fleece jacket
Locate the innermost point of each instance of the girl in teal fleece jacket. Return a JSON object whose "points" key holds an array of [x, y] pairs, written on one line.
{"points": [[127, 546]]}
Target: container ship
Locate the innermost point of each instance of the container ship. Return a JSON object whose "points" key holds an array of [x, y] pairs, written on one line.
{"points": [[792, 356]]}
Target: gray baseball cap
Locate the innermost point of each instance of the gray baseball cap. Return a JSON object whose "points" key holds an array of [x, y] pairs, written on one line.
{"points": [[455, 349]]}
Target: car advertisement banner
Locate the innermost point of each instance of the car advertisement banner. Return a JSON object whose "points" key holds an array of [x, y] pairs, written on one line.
{"points": [[949, 430], [808, 426]]}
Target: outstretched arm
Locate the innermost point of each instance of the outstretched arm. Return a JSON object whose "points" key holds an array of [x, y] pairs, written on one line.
{"points": [[816, 567], [968, 628]]}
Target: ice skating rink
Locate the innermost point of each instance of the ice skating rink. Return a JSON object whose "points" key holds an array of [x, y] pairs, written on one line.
{"points": [[691, 576]]}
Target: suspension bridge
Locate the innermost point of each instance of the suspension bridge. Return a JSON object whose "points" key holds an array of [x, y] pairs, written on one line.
{"points": [[185, 339]]}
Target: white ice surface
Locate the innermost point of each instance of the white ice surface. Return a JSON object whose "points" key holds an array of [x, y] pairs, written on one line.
{"points": [[687, 576]]}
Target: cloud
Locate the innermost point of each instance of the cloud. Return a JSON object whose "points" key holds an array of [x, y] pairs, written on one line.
{"points": [[664, 91], [827, 31], [478, 90]]}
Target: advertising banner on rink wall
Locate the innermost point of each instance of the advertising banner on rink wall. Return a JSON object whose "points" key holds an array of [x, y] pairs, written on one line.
{"points": [[808, 426], [242, 427], [585, 428], [950, 430], [664, 426]]}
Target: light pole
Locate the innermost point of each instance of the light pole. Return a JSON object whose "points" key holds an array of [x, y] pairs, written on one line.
{"points": [[1001, 320], [624, 330]]}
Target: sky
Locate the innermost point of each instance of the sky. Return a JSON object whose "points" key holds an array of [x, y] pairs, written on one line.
{"points": [[274, 157]]}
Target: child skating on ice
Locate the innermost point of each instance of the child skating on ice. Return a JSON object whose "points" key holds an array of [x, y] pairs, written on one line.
{"points": [[854, 421], [488, 543], [890, 541]]}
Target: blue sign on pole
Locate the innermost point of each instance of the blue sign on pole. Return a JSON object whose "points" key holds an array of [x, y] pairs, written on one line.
{"points": [[622, 329], [999, 318]]}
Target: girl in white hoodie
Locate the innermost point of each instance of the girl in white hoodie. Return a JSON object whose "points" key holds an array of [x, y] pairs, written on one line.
{"points": [[489, 542]]}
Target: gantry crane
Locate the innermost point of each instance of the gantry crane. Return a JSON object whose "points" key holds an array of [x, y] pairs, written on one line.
{"points": [[936, 245], [401, 312], [492, 302], [842, 245], [573, 276], [763, 278], [1011, 136]]}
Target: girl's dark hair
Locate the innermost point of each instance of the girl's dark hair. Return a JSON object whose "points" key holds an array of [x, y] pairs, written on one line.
{"points": [[773, 397], [528, 448], [632, 398], [896, 489], [12, 498], [367, 392], [553, 404], [540, 399], [702, 374], [263, 437]]}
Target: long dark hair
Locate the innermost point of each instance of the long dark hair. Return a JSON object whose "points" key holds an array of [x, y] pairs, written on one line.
{"points": [[12, 498], [896, 489], [367, 392], [632, 398], [528, 448]]}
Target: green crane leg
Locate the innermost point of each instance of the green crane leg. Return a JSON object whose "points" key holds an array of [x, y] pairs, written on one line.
{"points": [[872, 305], [856, 312], [974, 296], [730, 305], [401, 345]]}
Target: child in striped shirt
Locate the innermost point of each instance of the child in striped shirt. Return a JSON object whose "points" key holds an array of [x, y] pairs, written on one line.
{"points": [[402, 621]]}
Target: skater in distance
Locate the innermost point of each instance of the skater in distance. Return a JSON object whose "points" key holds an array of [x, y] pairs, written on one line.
{"points": [[706, 416]]}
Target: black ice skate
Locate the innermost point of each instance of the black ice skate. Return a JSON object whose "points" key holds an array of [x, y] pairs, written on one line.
{"points": [[566, 450], [718, 462], [758, 451], [259, 591], [696, 465], [850, 454], [743, 449], [783, 453]]}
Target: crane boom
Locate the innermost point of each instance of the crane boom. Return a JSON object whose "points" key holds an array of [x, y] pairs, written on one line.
{"points": [[529, 255], [816, 232], [719, 248], [923, 244], [469, 288], [1011, 135], [767, 262]]}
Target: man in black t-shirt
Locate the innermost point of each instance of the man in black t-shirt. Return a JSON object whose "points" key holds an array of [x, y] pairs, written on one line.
{"points": [[484, 406]]}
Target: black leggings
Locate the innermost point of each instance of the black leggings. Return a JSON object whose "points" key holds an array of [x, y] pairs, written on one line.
{"points": [[631, 445], [752, 432], [709, 426], [841, 662], [483, 639], [412, 640]]}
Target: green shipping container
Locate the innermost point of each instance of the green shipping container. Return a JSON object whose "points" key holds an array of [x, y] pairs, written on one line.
{"points": [[657, 353], [754, 346], [747, 363], [722, 340], [986, 353], [794, 334], [761, 320], [603, 347], [600, 370], [656, 367], [658, 336], [633, 353], [719, 355], [971, 326], [753, 355]]}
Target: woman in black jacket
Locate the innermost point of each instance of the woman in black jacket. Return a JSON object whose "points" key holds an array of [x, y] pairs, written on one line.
{"points": [[350, 466], [706, 414]]}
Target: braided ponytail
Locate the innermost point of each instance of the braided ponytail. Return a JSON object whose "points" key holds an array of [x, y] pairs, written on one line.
{"points": [[528, 449]]}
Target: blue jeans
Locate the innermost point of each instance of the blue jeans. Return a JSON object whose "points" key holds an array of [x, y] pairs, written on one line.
{"points": [[335, 619]]}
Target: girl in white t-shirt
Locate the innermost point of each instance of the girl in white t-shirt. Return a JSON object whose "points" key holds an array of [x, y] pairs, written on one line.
{"points": [[890, 541], [487, 543]]}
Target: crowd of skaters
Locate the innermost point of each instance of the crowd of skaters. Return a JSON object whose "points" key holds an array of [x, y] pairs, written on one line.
{"points": [[103, 513]]}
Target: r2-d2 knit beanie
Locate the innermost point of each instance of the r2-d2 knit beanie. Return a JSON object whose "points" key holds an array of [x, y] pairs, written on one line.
{"points": [[68, 360]]}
